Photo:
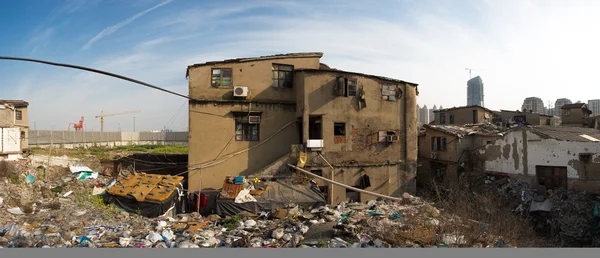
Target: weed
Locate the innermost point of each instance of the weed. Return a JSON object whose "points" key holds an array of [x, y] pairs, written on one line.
{"points": [[13, 178]]}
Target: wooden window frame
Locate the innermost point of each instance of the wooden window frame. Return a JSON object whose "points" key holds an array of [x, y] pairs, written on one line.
{"points": [[277, 82], [439, 143], [18, 115], [220, 79], [348, 92], [442, 118], [243, 130]]}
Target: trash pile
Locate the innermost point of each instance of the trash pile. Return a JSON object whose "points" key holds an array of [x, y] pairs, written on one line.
{"points": [[65, 207]]}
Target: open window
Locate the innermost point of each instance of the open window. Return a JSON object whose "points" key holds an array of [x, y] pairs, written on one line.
{"points": [[339, 132]]}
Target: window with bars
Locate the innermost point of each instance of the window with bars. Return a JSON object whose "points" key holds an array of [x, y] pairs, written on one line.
{"points": [[18, 115], [246, 131], [221, 77], [283, 76], [351, 87]]}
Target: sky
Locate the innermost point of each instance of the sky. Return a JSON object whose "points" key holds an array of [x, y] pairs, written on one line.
{"points": [[520, 48]]}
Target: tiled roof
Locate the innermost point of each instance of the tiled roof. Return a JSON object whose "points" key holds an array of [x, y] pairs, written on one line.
{"points": [[16, 103], [355, 73], [564, 133], [470, 129]]}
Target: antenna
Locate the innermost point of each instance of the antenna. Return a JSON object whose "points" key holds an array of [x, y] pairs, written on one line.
{"points": [[470, 70]]}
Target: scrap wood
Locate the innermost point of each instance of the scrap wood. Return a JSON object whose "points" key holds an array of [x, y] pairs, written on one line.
{"points": [[260, 191], [195, 226]]}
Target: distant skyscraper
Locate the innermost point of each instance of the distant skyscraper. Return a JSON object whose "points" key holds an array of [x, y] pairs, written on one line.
{"points": [[594, 106], [475, 92], [419, 114], [424, 115], [431, 115], [559, 103], [533, 105]]}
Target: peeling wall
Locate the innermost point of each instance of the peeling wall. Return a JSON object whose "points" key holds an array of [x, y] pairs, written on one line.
{"points": [[504, 154], [521, 151]]}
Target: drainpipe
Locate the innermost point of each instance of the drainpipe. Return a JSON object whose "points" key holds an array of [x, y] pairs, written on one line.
{"points": [[405, 147]]}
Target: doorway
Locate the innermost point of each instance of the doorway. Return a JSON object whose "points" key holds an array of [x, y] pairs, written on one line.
{"points": [[315, 127], [551, 177]]}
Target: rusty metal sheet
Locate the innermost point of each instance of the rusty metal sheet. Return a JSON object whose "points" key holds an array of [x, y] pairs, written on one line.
{"points": [[232, 190]]}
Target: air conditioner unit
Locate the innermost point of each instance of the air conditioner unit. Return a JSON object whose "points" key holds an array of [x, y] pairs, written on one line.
{"points": [[392, 138], [254, 119], [315, 145], [240, 91]]}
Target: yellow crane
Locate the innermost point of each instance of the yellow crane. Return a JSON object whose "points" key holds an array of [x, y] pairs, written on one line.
{"points": [[102, 115]]}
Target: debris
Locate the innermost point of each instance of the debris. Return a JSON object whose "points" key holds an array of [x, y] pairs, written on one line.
{"points": [[67, 194], [154, 237], [16, 211], [30, 179]]}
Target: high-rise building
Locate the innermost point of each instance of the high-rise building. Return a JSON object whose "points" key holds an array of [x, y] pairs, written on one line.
{"points": [[559, 103], [424, 115], [431, 115], [533, 105], [475, 92], [419, 115], [594, 106]]}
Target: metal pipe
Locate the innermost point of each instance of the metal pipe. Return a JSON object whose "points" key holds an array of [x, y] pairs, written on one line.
{"points": [[345, 186], [332, 179]]}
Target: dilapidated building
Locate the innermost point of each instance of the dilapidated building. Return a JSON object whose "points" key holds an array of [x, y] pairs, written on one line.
{"points": [[525, 118], [463, 115], [446, 150], [14, 127], [551, 156], [251, 116], [575, 115]]}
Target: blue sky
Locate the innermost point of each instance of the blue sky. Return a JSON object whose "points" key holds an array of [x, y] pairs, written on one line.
{"points": [[521, 48]]}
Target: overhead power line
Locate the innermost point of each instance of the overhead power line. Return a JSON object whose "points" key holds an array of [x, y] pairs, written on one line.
{"points": [[95, 71]]}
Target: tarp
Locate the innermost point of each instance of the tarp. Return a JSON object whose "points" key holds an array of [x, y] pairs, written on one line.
{"points": [[281, 193], [147, 208]]}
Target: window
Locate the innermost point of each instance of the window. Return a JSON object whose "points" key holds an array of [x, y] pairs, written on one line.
{"points": [[18, 115], [442, 118], [351, 87], [221, 77], [245, 131], [566, 112], [339, 132], [339, 129], [283, 76], [451, 118], [438, 143]]}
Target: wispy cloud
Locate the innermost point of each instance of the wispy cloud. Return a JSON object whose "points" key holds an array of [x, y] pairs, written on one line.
{"points": [[112, 29]]}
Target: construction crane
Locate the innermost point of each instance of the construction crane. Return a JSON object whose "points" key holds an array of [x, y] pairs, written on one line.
{"points": [[78, 126], [102, 115]]}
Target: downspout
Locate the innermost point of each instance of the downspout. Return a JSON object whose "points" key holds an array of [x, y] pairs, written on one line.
{"points": [[405, 147]]}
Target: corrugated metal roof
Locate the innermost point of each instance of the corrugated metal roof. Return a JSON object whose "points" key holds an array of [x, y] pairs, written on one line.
{"points": [[563, 133], [470, 129]]}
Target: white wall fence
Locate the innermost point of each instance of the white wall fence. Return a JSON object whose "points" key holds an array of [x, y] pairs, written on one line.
{"points": [[75, 139]]}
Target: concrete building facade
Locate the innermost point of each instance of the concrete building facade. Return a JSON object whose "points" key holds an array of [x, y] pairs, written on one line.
{"points": [[533, 105], [594, 106], [552, 156], [250, 113], [463, 115], [14, 117], [475, 92], [575, 115]]}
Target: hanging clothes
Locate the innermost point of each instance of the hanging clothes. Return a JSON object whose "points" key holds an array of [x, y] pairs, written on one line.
{"points": [[202, 200]]}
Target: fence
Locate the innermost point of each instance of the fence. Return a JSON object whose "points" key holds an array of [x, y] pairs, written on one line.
{"points": [[75, 139]]}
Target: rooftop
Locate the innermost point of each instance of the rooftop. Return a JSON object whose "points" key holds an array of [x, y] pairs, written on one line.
{"points": [[563, 133], [463, 107], [575, 105], [16, 103], [323, 69], [469, 129], [260, 58]]}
